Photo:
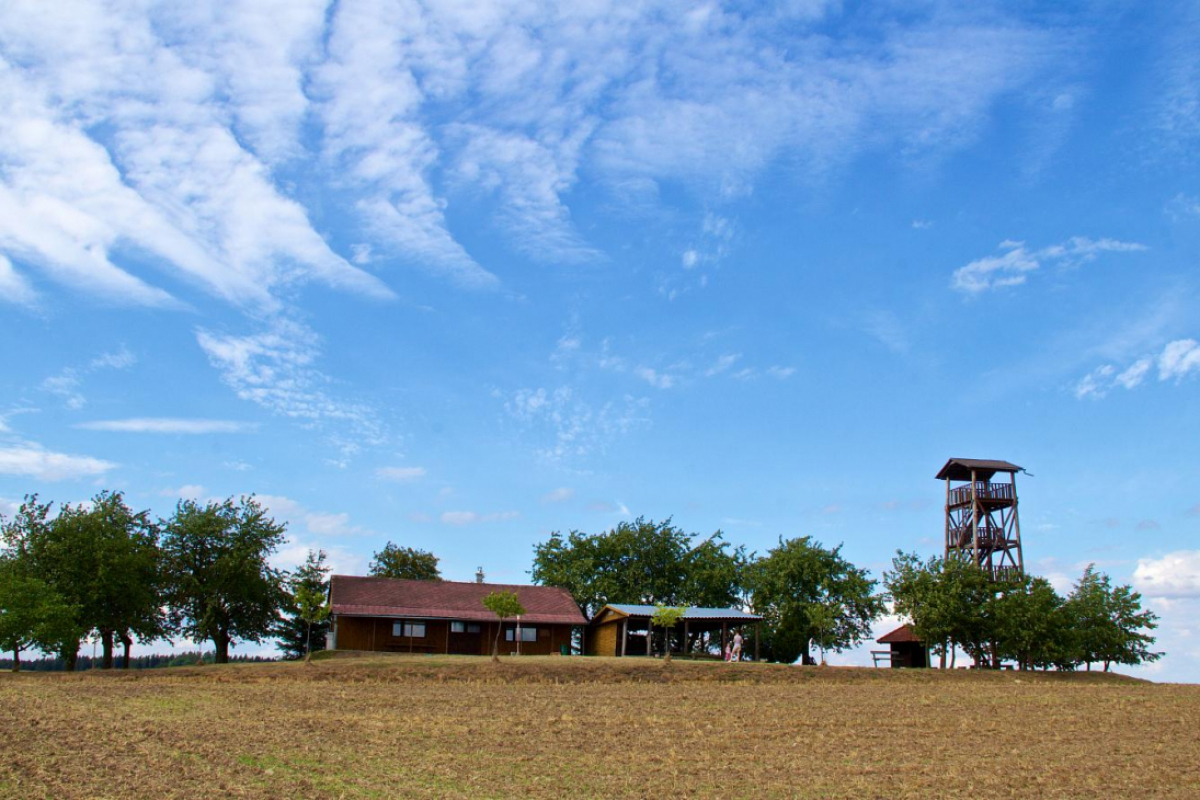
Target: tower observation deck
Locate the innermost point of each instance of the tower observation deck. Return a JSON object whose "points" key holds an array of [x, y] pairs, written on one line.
{"points": [[982, 525]]}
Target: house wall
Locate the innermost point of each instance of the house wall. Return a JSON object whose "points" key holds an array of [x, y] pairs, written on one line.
{"points": [[909, 654], [375, 633]]}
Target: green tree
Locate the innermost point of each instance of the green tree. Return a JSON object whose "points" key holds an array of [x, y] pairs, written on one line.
{"points": [[949, 602], [405, 562], [103, 560], [221, 585], [665, 617], [297, 635], [31, 613], [313, 610], [642, 562], [504, 605], [1110, 625], [799, 574], [1031, 627]]}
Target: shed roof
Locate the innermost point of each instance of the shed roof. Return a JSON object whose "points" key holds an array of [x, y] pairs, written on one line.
{"points": [[692, 612], [959, 469], [352, 595], [901, 635]]}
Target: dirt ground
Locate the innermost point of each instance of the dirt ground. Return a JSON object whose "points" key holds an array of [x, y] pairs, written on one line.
{"points": [[420, 726]]}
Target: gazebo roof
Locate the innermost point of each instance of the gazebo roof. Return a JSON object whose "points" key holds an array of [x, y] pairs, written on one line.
{"points": [[693, 613], [959, 469], [902, 635]]}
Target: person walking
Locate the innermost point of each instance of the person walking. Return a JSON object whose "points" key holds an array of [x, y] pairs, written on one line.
{"points": [[737, 646]]}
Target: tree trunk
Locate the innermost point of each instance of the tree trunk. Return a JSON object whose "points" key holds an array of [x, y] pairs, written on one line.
{"points": [[308, 644], [221, 648], [944, 648], [496, 643], [127, 643], [16, 667], [106, 641], [953, 654], [71, 659]]}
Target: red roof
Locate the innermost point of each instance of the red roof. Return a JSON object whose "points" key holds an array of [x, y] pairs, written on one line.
{"points": [[355, 596], [899, 636]]}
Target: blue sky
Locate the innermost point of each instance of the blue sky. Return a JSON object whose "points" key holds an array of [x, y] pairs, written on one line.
{"points": [[460, 274]]}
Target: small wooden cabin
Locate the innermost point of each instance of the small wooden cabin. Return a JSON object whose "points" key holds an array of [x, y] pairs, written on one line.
{"points": [[906, 649], [386, 614], [625, 630]]}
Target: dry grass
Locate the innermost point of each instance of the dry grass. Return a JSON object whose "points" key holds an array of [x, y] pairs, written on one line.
{"points": [[403, 726]]}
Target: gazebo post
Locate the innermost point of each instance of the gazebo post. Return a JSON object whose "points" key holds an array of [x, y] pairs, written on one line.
{"points": [[683, 651], [650, 638], [757, 636], [724, 633], [624, 634]]}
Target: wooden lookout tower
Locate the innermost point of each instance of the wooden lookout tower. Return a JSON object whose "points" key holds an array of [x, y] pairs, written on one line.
{"points": [[981, 515]]}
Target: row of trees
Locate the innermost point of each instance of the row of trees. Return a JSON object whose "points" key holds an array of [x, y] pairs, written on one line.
{"points": [[955, 604], [100, 569], [809, 595]]}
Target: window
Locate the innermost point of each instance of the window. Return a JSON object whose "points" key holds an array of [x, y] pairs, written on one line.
{"points": [[527, 634], [473, 627], [464, 627], [414, 630]]}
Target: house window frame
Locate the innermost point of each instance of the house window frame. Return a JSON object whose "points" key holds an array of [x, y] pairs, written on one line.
{"points": [[406, 629], [529, 633]]}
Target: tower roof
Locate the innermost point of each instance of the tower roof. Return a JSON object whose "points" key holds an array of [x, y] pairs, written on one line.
{"points": [[959, 469]]}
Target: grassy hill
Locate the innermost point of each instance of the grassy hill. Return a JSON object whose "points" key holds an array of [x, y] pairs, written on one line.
{"points": [[421, 726]]}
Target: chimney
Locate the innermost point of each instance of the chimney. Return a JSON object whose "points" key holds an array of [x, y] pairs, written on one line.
{"points": [[479, 575]]}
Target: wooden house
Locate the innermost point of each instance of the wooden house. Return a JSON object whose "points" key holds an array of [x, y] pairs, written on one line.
{"points": [[626, 630], [906, 650], [405, 616]]}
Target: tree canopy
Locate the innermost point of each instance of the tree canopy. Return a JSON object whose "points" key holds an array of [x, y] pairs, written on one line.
{"points": [[297, 633], [642, 562], [504, 605], [221, 586], [809, 594], [394, 561]]}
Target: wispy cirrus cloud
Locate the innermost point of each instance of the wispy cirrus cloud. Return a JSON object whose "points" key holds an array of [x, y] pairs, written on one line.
{"points": [[1177, 361], [67, 384], [472, 517], [400, 474], [167, 425], [31, 460], [1016, 262]]}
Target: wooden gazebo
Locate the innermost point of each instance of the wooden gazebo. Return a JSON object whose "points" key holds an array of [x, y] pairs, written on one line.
{"points": [[904, 649], [626, 630]]}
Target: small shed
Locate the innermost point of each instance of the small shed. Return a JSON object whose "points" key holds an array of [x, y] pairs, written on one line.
{"points": [[906, 650], [626, 630]]}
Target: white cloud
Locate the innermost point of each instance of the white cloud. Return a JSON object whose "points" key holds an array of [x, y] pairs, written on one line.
{"points": [[31, 460], [311, 523], [1177, 360], [400, 474], [690, 258], [722, 364], [166, 129], [921, 224], [658, 380], [170, 425], [14, 287], [559, 495], [471, 517], [1013, 266], [781, 373], [68, 383], [577, 428], [1176, 574], [189, 491], [167, 175], [275, 369]]}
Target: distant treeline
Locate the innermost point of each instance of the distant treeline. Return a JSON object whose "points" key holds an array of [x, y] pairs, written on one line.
{"points": [[154, 661]]}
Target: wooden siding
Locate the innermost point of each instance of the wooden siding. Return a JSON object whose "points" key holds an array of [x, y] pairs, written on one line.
{"points": [[603, 639], [375, 633]]}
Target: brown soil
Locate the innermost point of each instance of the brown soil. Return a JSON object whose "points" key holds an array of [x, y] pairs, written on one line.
{"points": [[413, 726]]}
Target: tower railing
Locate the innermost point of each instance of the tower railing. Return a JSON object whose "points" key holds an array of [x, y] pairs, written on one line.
{"points": [[962, 495]]}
